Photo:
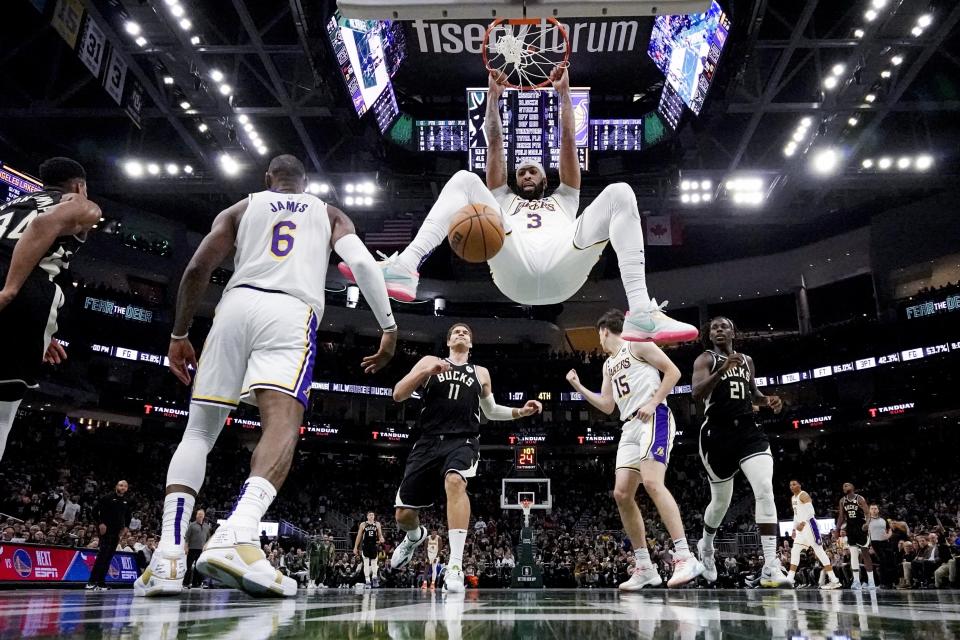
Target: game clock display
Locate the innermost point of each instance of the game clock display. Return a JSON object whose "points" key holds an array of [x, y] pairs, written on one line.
{"points": [[526, 458]]}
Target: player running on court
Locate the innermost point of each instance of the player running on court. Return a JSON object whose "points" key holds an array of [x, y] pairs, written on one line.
{"points": [[369, 537], [434, 544], [806, 535], [39, 233], [454, 391], [632, 383], [260, 350], [853, 519], [548, 251], [731, 441]]}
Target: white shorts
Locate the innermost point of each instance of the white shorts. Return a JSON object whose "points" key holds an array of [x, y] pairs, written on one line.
{"points": [[810, 535], [647, 440], [259, 340], [543, 270]]}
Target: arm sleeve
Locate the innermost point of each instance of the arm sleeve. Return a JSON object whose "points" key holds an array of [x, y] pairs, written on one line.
{"points": [[494, 411], [369, 277]]}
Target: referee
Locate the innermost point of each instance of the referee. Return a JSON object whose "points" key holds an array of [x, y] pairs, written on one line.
{"points": [[113, 513]]}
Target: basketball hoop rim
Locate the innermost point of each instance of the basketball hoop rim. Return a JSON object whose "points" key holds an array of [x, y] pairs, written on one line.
{"points": [[565, 63]]}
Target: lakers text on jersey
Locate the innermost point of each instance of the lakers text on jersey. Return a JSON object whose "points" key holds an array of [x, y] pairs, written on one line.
{"points": [[264, 330]]}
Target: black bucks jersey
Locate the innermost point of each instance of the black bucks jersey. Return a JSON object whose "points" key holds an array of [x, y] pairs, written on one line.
{"points": [[451, 402], [855, 519], [732, 396], [16, 216], [369, 540]]}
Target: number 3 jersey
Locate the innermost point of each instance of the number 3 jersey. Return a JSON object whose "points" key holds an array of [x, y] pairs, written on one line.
{"points": [[731, 397], [451, 402], [283, 244], [634, 381]]}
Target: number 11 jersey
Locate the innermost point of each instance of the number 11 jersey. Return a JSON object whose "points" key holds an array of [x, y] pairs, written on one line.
{"points": [[732, 395], [451, 402], [283, 244]]}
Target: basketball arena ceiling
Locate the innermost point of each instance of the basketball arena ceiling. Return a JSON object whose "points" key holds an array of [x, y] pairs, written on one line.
{"points": [[897, 94]]}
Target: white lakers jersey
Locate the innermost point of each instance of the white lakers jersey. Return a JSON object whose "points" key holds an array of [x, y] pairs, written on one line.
{"points": [[802, 511], [283, 244], [546, 217], [634, 380], [433, 545]]}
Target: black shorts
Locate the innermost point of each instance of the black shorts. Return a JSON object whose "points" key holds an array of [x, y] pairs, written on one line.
{"points": [[27, 325], [370, 553], [724, 446], [429, 462], [856, 536]]}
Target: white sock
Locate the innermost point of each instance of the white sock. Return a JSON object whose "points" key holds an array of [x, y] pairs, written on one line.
{"points": [[414, 535], [769, 546], [708, 538], [255, 498], [8, 411], [855, 563], [177, 509], [870, 579], [643, 558], [462, 189], [458, 538], [681, 548], [626, 238], [791, 574]]}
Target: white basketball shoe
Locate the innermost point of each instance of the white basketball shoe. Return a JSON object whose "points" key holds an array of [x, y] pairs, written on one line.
{"points": [[653, 325], [685, 569], [164, 575], [236, 559], [774, 578], [401, 282], [642, 577], [404, 551], [709, 561], [453, 581]]}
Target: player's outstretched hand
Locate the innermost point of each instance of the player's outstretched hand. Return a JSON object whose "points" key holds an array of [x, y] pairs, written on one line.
{"points": [[433, 365], [572, 377], [532, 408], [560, 78], [775, 403], [182, 356], [496, 83], [55, 352], [388, 346]]}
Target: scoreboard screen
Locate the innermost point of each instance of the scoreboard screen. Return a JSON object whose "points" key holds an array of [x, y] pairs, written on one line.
{"points": [[671, 106], [14, 184], [617, 134], [526, 458], [385, 109], [531, 126], [442, 135]]}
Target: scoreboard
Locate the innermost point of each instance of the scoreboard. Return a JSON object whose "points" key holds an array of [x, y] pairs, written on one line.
{"points": [[531, 126], [617, 134], [14, 184], [671, 106], [442, 135], [526, 458]]}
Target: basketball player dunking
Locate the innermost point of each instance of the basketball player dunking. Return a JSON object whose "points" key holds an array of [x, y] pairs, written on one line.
{"points": [[548, 251], [453, 391], [434, 543], [731, 441], [39, 233], [853, 517], [369, 537], [260, 350], [632, 383], [806, 535]]}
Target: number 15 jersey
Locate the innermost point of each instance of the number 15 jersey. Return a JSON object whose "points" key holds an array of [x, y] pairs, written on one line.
{"points": [[283, 244], [635, 381]]}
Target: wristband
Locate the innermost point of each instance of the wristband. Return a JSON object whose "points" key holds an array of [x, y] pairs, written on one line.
{"points": [[183, 337]]}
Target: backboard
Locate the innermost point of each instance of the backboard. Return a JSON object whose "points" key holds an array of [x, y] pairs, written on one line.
{"points": [[537, 490], [492, 9]]}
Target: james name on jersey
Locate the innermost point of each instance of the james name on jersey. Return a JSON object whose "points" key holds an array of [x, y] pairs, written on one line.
{"points": [[290, 205]]}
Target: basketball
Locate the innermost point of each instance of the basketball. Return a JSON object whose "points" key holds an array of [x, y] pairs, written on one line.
{"points": [[476, 234]]}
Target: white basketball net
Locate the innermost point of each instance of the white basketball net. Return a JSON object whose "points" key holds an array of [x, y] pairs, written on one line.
{"points": [[526, 54]]}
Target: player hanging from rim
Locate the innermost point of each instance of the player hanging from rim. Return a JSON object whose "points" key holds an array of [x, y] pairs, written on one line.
{"points": [[731, 441], [370, 535], [39, 233], [260, 350], [548, 251], [853, 517], [806, 535], [454, 392], [632, 383], [434, 544]]}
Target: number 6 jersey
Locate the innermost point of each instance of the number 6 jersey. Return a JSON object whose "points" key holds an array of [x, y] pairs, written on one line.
{"points": [[451, 402], [732, 396], [283, 244]]}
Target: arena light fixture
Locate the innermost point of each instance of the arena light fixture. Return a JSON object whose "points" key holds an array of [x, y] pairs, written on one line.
{"points": [[706, 185], [216, 75], [228, 165], [349, 188], [806, 121], [132, 28], [313, 187], [141, 41], [184, 105], [176, 11], [172, 169], [368, 187], [248, 127], [168, 80], [262, 150], [790, 149], [348, 201], [825, 161], [830, 82], [684, 185], [916, 32], [195, 40], [858, 33], [133, 168], [695, 198], [225, 89], [896, 60], [753, 198], [243, 118], [925, 20], [799, 135], [904, 162], [185, 24], [838, 69], [870, 15], [685, 198], [878, 4], [187, 169], [885, 74], [867, 163], [324, 187], [885, 163], [870, 97], [853, 121], [202, 127], [368, 201], [153, 169], [923, 162]]}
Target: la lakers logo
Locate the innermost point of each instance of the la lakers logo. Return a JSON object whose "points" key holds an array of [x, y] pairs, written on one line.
{"points": [[659, 451]]}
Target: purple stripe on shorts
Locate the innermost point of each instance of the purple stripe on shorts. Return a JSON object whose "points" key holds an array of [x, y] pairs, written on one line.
{"points": [[303, 392], [661, 434], [815, 529], [177, 521]]}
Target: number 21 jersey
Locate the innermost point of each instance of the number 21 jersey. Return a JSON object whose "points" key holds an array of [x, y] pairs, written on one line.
{"points": [[451, 402], [732, 396], [283, 244]]}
